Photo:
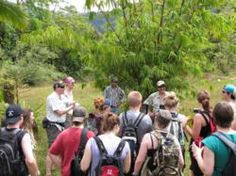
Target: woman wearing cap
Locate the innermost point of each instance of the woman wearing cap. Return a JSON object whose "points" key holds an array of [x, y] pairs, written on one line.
{"points": [[214, 156], [110, 140], [150, 143], [201, 127], [228, 95]]}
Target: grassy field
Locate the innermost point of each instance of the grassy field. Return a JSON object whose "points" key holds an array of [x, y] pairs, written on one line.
{"points": [[35, 98]]}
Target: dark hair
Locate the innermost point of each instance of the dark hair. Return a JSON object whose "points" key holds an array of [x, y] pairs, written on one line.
{"points": [[202, 95], [223, 114], [58, 84], [110, 120]]}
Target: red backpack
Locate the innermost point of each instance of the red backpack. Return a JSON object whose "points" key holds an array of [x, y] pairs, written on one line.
{"points": [[109, 165]]}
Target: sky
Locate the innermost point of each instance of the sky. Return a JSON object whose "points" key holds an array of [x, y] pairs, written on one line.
{"points": [[79, 4]]}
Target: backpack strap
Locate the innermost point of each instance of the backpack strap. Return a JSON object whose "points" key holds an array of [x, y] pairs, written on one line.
{"points": [[139, 119], [83, 141], [124, 119], [101, 146], [205, 118], [119, 149], [226, 141]]}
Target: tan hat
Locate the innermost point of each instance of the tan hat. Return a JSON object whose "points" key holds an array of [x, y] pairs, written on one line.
{"points": [[160, 83]]}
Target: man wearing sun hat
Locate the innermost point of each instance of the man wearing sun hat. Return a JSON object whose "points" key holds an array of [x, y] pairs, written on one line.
{"points": [[155, 100], [12, 134], [229, 95], [66, 144]]}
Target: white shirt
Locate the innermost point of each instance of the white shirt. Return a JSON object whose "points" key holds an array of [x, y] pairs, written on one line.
{"points": [[55, 102]]}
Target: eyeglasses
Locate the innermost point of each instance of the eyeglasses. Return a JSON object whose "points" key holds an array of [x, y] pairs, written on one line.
{"points": [[61, 86]]}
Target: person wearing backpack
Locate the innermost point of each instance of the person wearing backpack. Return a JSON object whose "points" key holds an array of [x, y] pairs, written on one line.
{"points": [[107, 154], [16, 153], [134, 124], [66, 146], [201, 127], [214, 158], [152, 149], [178, 121]]}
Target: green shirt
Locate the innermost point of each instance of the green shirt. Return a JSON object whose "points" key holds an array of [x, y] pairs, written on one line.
{"points": [[220, 151]]}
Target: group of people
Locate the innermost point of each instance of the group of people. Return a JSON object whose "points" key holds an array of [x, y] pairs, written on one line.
{"points": [[129, 142]]}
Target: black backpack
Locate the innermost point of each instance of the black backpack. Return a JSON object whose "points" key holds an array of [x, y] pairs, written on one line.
{"points": [[230, 168], [75, 163], [11, 159], [130, 132], [109, 165]]}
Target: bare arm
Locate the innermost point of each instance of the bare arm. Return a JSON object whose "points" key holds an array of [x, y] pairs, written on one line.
{"points": [[29, 156], [61, 112], [141, 155], [86, 160], [197, 125], [205, 162], [55, 159], [127, 163]]}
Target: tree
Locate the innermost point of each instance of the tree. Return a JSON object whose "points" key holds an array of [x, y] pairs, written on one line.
{"points": [[152, 40], [12, 14]]}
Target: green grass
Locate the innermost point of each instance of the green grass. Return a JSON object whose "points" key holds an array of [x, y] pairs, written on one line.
{"points": [[35, 98]]}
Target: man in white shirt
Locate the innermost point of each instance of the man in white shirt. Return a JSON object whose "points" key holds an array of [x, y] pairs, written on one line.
{"points": [[56, 107]]}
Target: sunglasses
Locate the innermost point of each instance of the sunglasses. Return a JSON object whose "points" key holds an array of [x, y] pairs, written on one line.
{"points": [[61, 86], [223, 91]]}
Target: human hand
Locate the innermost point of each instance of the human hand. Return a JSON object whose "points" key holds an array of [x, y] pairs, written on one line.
{"points": [[197, 151]]}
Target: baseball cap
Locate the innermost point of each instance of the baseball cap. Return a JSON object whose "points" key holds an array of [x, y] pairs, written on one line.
{"points": [[79, 114], [69, 80], [229, 88], [161, 83], [13, 114]]}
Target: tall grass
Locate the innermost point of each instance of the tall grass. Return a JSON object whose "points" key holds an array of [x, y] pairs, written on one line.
{"points": [[35, 98]]}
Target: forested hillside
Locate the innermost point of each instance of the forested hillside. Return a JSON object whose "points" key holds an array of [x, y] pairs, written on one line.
{"points": [[138, 42]]}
